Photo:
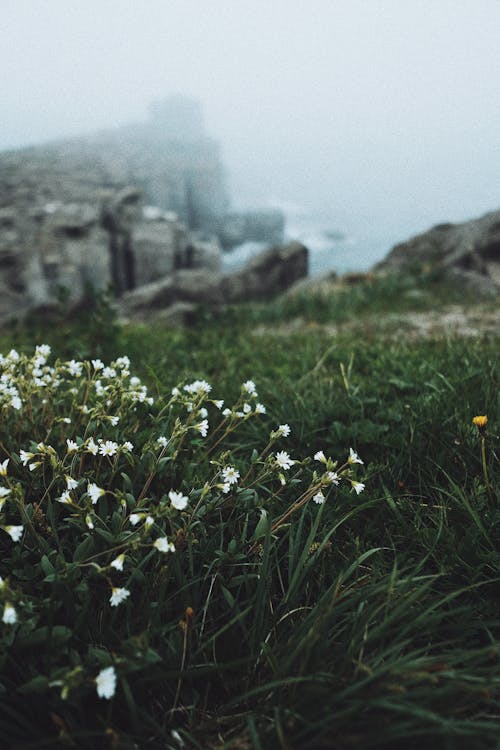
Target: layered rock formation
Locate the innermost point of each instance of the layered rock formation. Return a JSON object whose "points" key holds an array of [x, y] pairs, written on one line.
{"points": [[466, 254]]}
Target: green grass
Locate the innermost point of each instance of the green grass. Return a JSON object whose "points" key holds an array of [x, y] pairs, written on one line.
{"points": [[373, 623]]}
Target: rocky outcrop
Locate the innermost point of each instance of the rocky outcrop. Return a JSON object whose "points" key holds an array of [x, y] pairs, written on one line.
{"points": [[466, 254], [177, 295]]}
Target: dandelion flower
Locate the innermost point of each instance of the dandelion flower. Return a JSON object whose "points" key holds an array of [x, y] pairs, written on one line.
{"points": [[163, 545], [106, 683], [178, 500], [118, 596], [9, 616], [283, 460], [480, 422]]}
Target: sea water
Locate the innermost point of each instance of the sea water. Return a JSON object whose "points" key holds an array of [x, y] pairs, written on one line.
{"points": [[353, 245]]}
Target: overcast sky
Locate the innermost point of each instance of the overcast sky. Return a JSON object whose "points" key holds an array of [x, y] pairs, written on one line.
{"points": [[388, 109]]}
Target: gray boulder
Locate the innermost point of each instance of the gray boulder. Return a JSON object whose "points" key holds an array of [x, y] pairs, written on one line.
{"points": [[466, 254], [267, 275]]}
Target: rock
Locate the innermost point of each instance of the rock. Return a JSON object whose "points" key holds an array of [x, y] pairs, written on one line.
{"points": [[267, 275], [466, 254]]}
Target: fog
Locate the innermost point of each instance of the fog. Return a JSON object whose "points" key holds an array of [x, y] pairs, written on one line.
{"points": [[383, 115]]}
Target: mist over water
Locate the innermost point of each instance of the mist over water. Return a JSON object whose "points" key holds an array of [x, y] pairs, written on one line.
{"points": [[367, 121]]}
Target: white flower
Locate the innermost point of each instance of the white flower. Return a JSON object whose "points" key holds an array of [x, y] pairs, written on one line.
{"points": [[65, 497], [202, 427], [97, 364], [353, 457], [249, 387], [357, 486], [118, 596], [198, 387], [283, 460], [106, 683], [134, 518], [135, 381], [89, 522], [162, 441], [230, 474], [319, 498], [25, 456], [109, 372], [226, 487], [227, 412], [219, 404], [74, 368], [34, 465], [127, 447], [149, 521], [176, 392], [163, 545], [9, 616], [178, 500], [2, 582], [260, 409], [43, 350], [108, 448], [247, 408], [15, 532], [66, 420], [92, 447], [72, 446], [4, 491], [284, 430], [3, 468], [332, 477], [320, 456], [117, 563], [94, 492], [16, 403], [71, 483], [122, 362], [114, 420]]}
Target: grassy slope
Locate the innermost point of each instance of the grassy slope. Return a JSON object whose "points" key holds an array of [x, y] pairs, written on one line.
{"points": [[375, 623]]}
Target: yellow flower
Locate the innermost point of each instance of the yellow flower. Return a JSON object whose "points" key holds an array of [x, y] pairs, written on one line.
{"points": [[480, 422]]}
